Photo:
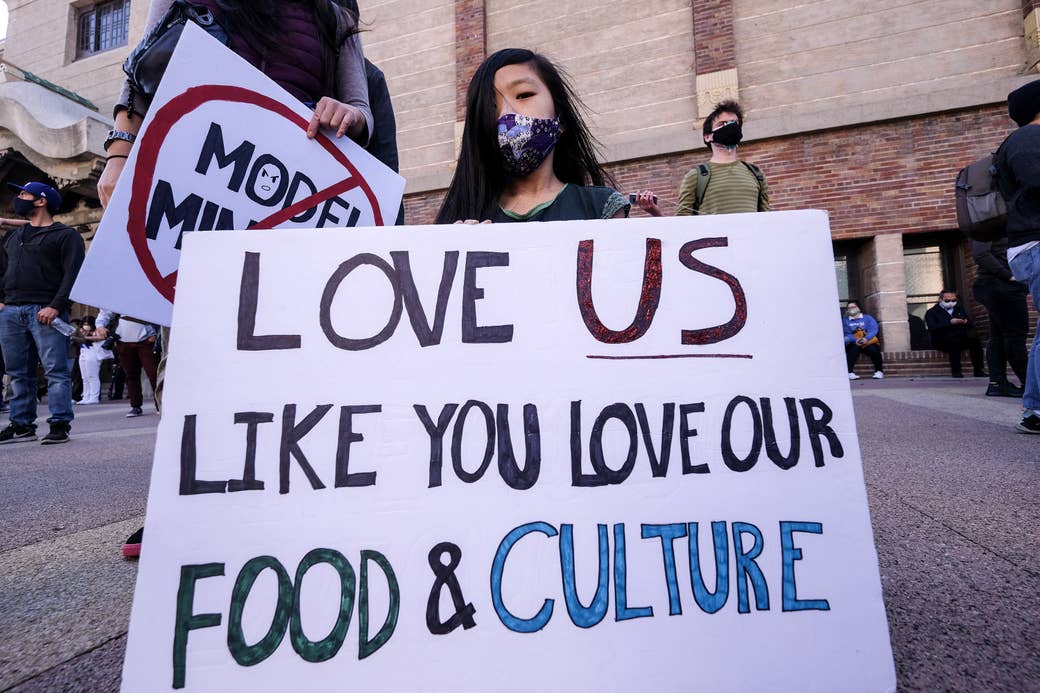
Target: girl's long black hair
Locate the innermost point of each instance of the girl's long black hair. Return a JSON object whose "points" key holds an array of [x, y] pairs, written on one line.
{"points": [[259, 23], [480, 178]]}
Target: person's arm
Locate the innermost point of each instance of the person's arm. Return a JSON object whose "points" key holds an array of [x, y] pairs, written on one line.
{"points": [[763, 197], [348, 110], [871, 327], [128, 115], [72, 253], [687, 195], [846, 328], [983, 255], [104, 319]]}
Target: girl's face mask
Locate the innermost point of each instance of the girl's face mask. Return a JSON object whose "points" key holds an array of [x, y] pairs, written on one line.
{"points": [[526, 141]]}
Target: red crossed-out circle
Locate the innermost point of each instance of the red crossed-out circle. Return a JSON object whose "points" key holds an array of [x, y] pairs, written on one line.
{"points": [[148, 155]]}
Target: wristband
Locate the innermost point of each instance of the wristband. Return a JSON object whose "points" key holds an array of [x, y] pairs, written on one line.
{"points": [[117, 135], [116, 156]]}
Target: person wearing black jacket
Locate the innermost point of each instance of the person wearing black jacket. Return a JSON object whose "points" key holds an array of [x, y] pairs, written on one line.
{"points": [[948, 325], [1005, 301], [39, 262], [1018, 175]]}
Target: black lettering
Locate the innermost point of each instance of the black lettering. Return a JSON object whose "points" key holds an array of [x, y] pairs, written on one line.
{"points": [[426, 335], [436, 433], [728, 456], [520, 479], [685, 433], [332, 287], [658, 466], [622, 413], [347, 436], [292, 434], [213, 148], [248, 298], [190, 486], [252, 420], [772, 448], [821, 427], [164, 206], [472, 333], [456, 441]]}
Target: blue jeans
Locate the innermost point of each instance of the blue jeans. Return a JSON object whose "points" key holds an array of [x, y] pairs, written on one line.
{"points": [[1026, 268], [23, 340]]}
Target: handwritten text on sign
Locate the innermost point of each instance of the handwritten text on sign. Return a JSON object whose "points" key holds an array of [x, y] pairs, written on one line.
{"points": [[557, 455]]}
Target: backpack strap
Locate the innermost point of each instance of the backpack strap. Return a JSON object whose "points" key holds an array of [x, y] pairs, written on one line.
{"points": [[758, 176], [703, 175]]}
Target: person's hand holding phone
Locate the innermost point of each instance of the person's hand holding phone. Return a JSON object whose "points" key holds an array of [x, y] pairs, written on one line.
{"points": [[646, 200]]}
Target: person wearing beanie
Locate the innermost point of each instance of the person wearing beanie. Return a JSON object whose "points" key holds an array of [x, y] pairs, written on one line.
{"points": [[1018, 175], [39, 261]]}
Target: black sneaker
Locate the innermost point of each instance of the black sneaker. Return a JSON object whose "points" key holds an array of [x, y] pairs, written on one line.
{"points": [[132, 546], [1004, 390], [1030, 424], [134, 411], [16, 433], [59, 434]]}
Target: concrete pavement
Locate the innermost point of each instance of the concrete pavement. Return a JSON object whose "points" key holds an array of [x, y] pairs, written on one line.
{"points": [[953, 491]]}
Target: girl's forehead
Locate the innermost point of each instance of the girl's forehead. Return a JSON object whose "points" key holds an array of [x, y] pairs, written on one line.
{"points": [[513, 75]]}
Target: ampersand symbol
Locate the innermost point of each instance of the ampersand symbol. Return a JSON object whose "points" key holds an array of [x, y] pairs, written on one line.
{"points": [[445, 573]]}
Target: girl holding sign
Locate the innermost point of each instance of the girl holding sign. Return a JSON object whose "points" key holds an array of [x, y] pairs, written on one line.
{"points": [[526, 152], [309, 47]]}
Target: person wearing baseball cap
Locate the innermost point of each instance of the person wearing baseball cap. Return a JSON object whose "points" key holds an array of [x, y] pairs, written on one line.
{"points": [[39, 261], [1018, 174]]}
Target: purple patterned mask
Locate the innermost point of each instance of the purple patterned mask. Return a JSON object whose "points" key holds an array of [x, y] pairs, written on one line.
{"points": [[525, 141]]}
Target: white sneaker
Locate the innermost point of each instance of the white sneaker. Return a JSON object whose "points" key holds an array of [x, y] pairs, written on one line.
{"points": [[878, 375], [853, 376]]}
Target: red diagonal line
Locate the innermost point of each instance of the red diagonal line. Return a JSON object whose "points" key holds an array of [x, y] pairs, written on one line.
{"points": [[306, 203]]}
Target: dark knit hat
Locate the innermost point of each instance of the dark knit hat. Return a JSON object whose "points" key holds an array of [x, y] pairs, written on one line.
{"points": [[1024, 103]]}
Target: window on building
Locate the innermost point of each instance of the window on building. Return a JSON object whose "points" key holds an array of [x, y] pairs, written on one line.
{"points": [[846, 269], [929, 268], [102, 26]]}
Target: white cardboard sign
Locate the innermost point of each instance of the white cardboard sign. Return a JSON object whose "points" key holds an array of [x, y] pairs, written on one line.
{"points": [[579, 456], [222, 147]]}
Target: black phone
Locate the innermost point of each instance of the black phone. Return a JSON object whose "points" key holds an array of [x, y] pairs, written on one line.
{"points": [[632, 198]]}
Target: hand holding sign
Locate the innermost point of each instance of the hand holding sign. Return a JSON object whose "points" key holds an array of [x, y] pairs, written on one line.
{"points": [[336, 115]]}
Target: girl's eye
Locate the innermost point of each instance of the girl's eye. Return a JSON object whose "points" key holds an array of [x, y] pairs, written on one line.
{"points": [[525, 95]]}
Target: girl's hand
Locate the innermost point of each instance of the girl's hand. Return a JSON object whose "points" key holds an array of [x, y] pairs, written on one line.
{"points": [[338, 116], [109, 177]]}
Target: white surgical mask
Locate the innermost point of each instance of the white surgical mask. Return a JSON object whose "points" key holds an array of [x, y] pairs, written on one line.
{"points": [[947, 305]]}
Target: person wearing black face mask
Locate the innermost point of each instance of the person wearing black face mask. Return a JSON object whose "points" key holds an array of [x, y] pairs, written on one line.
{"points": [[39, 261], [724, 184]]}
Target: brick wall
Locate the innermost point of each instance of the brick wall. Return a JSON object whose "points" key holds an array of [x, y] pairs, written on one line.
{"points": [[713, 44]]}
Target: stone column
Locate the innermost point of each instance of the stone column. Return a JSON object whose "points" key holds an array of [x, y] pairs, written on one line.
{"points": [[714, 53], [884, 289]]}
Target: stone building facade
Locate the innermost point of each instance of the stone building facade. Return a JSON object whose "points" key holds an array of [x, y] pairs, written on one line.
{"points": [[866, 110]]}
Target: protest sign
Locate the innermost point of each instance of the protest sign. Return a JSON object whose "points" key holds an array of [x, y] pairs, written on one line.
{"points": [[222, 147], [608, 455]]}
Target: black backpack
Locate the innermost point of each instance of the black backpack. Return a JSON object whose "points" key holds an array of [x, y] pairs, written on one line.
{"points": [[981, 208]]}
